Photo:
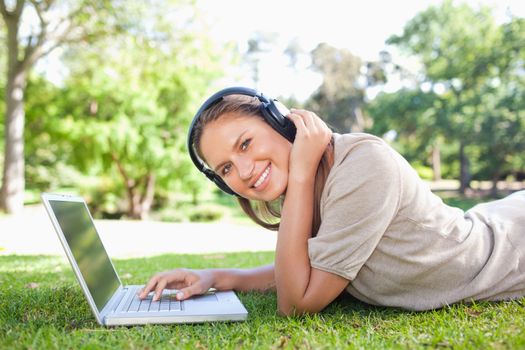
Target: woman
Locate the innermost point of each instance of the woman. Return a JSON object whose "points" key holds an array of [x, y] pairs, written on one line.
{"points": [[353, 215]]}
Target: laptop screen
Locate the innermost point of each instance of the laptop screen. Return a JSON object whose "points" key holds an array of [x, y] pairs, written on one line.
{"points": [[88, 251]]}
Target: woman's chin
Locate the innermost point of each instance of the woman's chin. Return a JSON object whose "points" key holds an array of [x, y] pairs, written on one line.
{"points": [[265, 196]]}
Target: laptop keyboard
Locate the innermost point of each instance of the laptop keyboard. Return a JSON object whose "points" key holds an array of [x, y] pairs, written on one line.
{"points": [[167, 302]]}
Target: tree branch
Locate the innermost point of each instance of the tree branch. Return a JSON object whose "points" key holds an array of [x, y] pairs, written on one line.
{"points": [[130, 183], [66, 35], [19, 8], [32, 50], [3, 9], [38, 10], [16, 12]]}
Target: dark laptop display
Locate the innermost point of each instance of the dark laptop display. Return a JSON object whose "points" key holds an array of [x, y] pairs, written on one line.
{"points": [[91, 257]]}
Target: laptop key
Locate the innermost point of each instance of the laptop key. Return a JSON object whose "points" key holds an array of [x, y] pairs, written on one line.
{"points": [[164, 303], [134, 304], [175, 305], [144, 305], [154, 306], [126, 303]]}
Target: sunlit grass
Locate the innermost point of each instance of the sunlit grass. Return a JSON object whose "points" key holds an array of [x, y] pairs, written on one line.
{"points": [[42, 307]]}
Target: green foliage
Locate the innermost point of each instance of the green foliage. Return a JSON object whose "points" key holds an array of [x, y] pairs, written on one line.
{"points": [[478, 64], [412, 116], [46, 148], [338, 99], [121, 114], [502, 132], [454, 42], [206, 212], [41, 306], [341, 96], [3, 65], [423, 171]]}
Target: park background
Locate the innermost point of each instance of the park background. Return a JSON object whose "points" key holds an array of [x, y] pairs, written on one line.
{"points": [[98, 96]]}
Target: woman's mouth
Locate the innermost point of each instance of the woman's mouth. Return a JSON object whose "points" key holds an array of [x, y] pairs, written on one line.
{"points": [[262, 180]]}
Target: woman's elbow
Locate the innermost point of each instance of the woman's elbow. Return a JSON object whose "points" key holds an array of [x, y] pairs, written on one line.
{"points": [[297, 309]]}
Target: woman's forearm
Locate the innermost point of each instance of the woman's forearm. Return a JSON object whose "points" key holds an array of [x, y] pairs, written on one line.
{"points": [[292, 264], [259, 279]]}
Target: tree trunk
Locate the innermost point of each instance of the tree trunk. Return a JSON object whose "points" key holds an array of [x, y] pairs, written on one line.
{"points": [[148, 196], [194, 196], [13, 180], [133, 201], [359, 121], [436, 161], [140, 203], [464, 176], [494, 189]]}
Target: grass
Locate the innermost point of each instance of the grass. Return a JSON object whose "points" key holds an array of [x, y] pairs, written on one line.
{"points": [[42, 307], [464, 203]]}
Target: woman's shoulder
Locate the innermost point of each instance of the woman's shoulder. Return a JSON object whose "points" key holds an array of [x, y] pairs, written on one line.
{"points": [[353, 137], [358, 145]]}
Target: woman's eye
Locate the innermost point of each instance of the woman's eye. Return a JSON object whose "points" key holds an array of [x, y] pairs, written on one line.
{"points": [[245, 144], [226, 169]]}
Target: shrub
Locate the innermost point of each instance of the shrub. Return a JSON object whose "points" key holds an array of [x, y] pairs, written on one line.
{"points": [[206, 213]]}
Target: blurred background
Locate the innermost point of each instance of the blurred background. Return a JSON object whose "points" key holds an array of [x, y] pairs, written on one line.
{"points": [[98, 95]]}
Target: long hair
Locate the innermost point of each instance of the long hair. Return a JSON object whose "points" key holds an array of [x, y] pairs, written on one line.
{"points": [[266, 214]]}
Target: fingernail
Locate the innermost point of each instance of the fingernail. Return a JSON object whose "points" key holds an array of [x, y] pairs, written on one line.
{"points": [[180, 295]]}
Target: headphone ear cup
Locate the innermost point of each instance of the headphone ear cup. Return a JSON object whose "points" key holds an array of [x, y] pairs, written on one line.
{"points": [[278, 121]]}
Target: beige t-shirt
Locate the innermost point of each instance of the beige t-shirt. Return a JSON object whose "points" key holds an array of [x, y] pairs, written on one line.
{"points": [[400, 245]]}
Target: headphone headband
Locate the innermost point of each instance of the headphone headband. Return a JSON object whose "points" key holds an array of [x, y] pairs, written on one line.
{"points": [[272, 111]]}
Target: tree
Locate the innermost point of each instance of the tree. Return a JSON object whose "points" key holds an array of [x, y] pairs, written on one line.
{"points": [[34, 29], [341, 96], [457, 46], [258, 44], [413, 116], [502, 104], [127, 104]]}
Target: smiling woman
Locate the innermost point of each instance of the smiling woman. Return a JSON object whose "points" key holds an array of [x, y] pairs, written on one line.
{"points": [[354, 216], [236, 115]]}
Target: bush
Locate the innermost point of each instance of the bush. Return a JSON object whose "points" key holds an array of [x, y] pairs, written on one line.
{"points": [[425, 172], [206, 213], [170, 215]]}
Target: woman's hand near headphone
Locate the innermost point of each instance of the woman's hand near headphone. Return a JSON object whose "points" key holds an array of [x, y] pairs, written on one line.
{"points": [[311, 140]]}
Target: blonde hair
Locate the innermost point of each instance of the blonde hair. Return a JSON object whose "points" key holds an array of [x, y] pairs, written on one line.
{"points": [[266, 214]]}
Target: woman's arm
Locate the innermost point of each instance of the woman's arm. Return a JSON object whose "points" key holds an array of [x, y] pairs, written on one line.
{"points": [[260, 279], [301, 288], [195, 282]]}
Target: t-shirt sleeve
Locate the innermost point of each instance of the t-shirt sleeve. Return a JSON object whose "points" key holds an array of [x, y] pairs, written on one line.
{"points": [[362, 197]]}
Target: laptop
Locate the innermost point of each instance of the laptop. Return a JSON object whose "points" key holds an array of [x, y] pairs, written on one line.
{"points": [[112, 303]]}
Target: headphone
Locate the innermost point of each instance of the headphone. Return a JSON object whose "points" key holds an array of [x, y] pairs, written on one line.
{"points": [[273, 112]]}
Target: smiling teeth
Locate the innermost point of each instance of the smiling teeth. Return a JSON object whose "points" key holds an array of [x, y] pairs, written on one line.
{"points": [[261, 179]]}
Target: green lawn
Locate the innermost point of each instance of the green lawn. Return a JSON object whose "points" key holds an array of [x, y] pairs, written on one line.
{"points": [[42, 307], [465, 203]]}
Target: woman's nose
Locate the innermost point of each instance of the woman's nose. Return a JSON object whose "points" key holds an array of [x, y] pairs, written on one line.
{"points": [[245, 167]]}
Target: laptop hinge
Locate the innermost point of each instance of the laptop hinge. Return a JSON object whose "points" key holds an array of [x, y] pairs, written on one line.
{"points": [[113, 302]]}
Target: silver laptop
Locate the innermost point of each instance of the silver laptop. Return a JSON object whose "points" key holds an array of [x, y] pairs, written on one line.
{"points": [[111, 302]]}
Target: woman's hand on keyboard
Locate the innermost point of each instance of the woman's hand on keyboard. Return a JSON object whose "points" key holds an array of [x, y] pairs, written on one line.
{"points": [[188, 282]]}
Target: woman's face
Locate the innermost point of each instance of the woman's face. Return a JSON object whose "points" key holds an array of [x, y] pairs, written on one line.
{"points": [[248, 154]]}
